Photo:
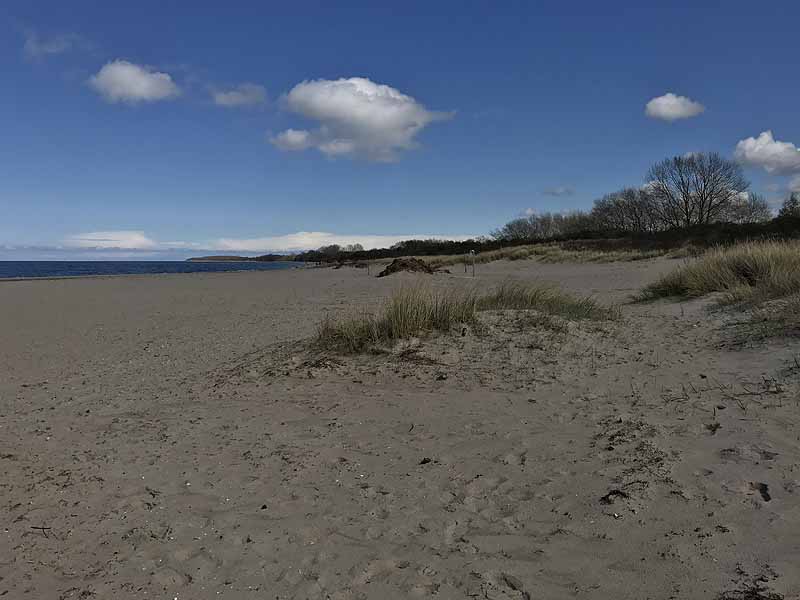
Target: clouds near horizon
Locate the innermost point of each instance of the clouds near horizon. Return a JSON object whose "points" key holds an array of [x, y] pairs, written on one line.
{"points": [[311, 240], [356, 118], [124, 81], [671, 107], [775, 157], [137, 240], [122, 239]]}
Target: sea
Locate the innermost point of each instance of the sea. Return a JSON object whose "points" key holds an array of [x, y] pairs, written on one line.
{"points": [[16, 269]]}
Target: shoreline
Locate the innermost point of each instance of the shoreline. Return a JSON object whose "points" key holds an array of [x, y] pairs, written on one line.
{"points": [[117, 275]]}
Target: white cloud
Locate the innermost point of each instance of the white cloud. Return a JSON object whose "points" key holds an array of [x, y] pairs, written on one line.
{"points": [[357, 118], [794, 185], [128, 240], [292, 139], [311, 240], [123, 81], [139, 242], [559, 191], [670, 107], [245, 94], [37, 47], [778, 158]]}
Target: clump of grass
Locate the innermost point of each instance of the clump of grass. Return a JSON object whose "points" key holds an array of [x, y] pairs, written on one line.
{"points": [[685, 251], [548, 300], [415, 311], [409, 312], [752, 272]]}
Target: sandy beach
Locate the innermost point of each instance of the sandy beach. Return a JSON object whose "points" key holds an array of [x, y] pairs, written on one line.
{"points": [[175, 437]]}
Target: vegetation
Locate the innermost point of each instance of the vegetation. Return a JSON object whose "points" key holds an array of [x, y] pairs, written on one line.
{"points": [[694, 189], [419, 310], [552, 253], [679, 193], [409, 312], [700, 200], [764, 276], [750, 271], [520, 296], [791, 207]]}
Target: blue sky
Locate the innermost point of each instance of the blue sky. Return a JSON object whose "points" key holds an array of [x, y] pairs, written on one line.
{"points": [[149, 129]]}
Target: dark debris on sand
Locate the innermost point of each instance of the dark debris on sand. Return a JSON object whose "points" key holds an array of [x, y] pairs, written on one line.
{"points": [[413, 265]]}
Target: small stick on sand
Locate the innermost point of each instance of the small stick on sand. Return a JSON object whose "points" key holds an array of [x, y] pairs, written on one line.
{"points": [[44, 530]]}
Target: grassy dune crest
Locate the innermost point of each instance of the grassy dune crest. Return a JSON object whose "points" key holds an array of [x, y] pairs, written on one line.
{"points": [[557, 254], [418, 310], [550, 253], [755, 272], [764, 276]]}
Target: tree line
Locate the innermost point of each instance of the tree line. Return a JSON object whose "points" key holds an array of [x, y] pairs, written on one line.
{"points": [[701, 197], [679, 193]]}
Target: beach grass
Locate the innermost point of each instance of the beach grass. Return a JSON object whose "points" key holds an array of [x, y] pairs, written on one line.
{"points": [[749, 272], [549, 253], [407, 313], [419, 310], [762, 276], [547, 300]]}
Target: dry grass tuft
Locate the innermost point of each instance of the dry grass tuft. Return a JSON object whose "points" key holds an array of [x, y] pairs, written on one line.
{"points": [[750, 272], [547, 300], [409, 312], [764, 276], [418, 310]]}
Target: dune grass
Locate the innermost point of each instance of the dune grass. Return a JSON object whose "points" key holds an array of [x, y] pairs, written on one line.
{"points": [[418, 310], [761, 276], [409, 312], [519, 296], [752, 272], [550, 253]]}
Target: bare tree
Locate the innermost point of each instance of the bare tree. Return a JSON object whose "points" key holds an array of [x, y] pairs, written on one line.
{"points": [[747, 208], [330, 251], [696, 188], [546, 226], [630, 210], [791, 206], [516, 229]]}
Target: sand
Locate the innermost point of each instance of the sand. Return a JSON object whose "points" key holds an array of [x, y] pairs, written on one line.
{"points": [[174, 437]]}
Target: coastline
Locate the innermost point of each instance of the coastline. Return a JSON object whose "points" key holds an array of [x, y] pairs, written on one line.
{"points": [[149, 274]]}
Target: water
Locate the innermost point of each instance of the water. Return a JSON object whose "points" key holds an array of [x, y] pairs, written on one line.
{"points": [[37, 268]]}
